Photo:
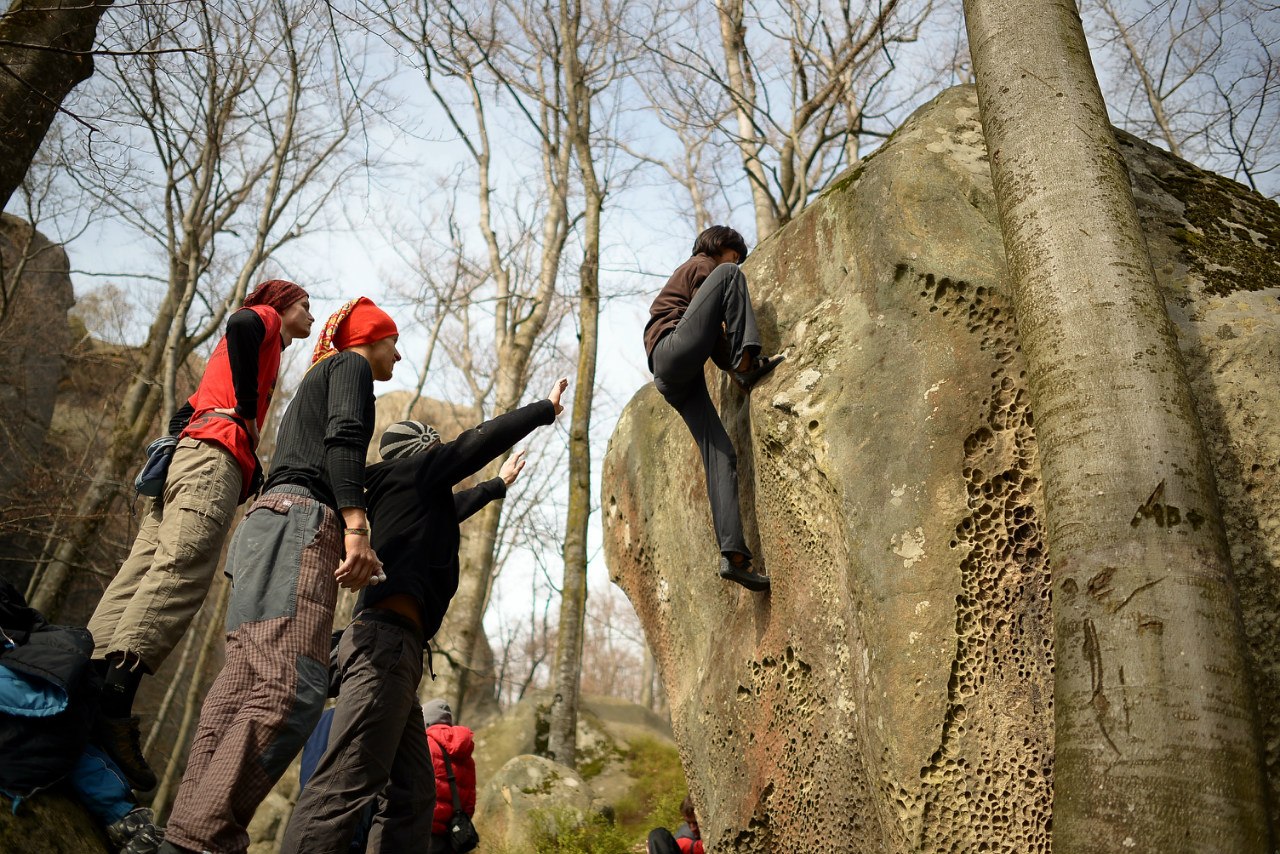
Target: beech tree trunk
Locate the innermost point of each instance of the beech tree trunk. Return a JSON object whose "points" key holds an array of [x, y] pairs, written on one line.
{"points": [[1157, 746], [45, 50], [567, 671]]}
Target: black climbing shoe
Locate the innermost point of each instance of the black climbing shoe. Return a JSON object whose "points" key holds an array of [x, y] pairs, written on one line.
{"points": [[122, 741], [761, 367], [136, 833], [743, 574]]}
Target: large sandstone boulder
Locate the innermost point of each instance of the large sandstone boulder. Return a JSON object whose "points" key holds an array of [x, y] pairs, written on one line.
{"points": [[895, 690]]}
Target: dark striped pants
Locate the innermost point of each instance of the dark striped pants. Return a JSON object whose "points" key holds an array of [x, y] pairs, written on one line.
{"points": [[377, 751], [271, 691]]}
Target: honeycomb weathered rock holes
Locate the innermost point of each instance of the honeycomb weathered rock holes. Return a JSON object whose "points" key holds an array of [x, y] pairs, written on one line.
{"points": [[1003, 657]]}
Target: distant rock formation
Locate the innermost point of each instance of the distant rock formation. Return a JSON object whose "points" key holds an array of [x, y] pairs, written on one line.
{"points": [[518, 786], [35, 295], [894, 692], [449, 419]]}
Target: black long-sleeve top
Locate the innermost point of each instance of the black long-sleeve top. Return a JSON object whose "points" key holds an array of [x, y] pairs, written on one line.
{"points": [[414, 512], [325, 432], [245, 331]]}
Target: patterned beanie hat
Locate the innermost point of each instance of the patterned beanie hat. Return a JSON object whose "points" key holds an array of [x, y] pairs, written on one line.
{"points": [[406, 438]]}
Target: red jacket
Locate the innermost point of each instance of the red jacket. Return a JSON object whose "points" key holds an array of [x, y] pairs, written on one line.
{"points": [[460, 742], [216, 391], [688, 842]]}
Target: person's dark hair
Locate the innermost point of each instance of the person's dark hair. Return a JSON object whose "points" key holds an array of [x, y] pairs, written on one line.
{"points": [[686, 806], [718, 238]]}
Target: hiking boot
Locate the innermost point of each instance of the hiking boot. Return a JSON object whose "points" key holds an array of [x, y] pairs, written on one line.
{"points": [[136, 833], [743, 574], [761, 367], [121, 739]]}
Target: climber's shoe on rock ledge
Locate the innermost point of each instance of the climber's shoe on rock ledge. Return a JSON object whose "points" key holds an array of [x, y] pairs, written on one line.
{"points": [[761, 367], [743, 574]]}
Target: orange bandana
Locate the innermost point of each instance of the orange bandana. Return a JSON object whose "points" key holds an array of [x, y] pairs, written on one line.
{"points": [[357, 322]]}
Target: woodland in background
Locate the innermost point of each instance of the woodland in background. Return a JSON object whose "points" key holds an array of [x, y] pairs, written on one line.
{"points": [[211, 146]]}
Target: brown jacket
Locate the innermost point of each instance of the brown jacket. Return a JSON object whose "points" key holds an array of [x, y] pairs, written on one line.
{"points": [[672, 301]]}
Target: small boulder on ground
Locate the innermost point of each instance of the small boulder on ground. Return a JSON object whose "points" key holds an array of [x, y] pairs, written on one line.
{"points": [[527, 793]]}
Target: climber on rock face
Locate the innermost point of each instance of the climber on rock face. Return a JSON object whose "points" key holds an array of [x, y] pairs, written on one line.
{"points": [[704, 311]]}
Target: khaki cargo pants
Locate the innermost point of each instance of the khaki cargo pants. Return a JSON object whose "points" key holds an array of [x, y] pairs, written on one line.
{"points": [[150, 603]]}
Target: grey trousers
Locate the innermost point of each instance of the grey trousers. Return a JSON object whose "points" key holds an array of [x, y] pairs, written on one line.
{"points": [[270, 692], [678, 360], [377, 748]]}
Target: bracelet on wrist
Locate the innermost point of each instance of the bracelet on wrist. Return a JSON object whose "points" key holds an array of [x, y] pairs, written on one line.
{"points": [[359, 532]]}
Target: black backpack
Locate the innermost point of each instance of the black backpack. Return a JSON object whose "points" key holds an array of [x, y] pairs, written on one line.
{"points": [[662, 842], [40, 751], [462, 833]]}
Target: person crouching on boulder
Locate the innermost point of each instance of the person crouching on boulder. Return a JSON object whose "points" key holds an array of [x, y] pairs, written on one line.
{"points": [[704, 311], [377, 749]]}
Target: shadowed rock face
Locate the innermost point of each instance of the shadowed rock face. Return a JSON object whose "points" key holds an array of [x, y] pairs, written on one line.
{"points": [[35, 294], [895, 691]]}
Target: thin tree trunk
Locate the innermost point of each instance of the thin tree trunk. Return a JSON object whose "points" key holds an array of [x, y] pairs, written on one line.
{"points": [[1149, 89], [1156, 739], [142, 402], [44, 53], [128, 437], [464, 621], [520, 317], [171, 693], [191, 706], [567, 671], [648, 675], [743, 91]]}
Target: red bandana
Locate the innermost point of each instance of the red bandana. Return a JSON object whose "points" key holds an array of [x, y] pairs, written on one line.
{"points": [[276, 293], [357, 322]]}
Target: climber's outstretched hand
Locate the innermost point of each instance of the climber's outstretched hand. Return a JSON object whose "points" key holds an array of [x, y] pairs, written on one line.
{"points": [[556, 391]]}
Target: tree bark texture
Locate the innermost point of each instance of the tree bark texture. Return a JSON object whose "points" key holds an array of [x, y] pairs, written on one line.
{"points": [[45, 51], [1157, 747], [209, 639], [567, 671], [742, 84]]}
